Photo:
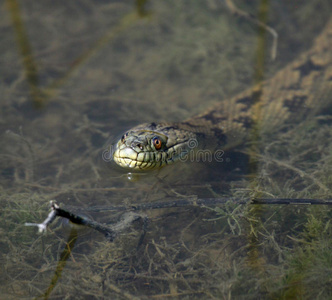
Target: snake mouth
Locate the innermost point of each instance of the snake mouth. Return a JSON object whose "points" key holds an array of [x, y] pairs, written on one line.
{"points": [[127, 157]]}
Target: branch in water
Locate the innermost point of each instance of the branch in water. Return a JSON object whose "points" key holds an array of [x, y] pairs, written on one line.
{"points": [[239, 12], [50, 218], [110, 232], [130, 216], [208, 201]]}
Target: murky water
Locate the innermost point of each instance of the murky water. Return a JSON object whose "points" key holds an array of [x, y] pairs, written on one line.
{"points": [[77, 75]]}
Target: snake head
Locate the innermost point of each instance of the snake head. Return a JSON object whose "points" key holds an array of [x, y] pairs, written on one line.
{"points": [[149, 146]]}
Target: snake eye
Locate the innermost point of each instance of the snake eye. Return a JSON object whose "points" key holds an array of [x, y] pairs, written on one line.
{"points": [[156, 143]]}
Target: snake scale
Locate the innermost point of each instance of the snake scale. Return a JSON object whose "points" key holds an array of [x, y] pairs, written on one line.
{"points": [[300, 88]]}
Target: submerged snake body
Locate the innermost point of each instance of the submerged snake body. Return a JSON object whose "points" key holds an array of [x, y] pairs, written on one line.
{"points": [[299, 88]]}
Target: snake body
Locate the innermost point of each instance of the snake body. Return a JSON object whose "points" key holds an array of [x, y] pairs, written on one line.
{"points": [[300, 88]]}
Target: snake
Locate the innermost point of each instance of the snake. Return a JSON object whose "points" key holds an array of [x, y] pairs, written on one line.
{"points": [[300, 86]]}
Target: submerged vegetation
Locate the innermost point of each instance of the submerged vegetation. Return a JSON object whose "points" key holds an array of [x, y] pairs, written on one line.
{"points": [[176, 52]]}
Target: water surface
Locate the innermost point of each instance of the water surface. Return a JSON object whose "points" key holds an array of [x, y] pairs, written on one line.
{"points": [[77, 75]]}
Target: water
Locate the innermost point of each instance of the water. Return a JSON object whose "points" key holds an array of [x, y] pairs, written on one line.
{"points": [[93, 70]]}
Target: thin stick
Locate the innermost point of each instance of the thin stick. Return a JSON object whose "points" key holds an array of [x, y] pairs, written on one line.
{"points": [[239, 12], [110, 232], [130, 217], [208, 201]]}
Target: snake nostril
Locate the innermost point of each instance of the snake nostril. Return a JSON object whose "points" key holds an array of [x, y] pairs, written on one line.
{"points": [[135, 144]]}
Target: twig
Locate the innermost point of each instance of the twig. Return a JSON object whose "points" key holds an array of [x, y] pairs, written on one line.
{"points": [[50, 218], [130, 217], [110, 232], [208, 201], [239, 12]]}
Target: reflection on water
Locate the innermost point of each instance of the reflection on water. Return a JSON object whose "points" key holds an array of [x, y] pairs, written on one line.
{"points": [[97, 69]]}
